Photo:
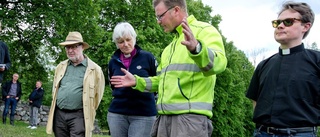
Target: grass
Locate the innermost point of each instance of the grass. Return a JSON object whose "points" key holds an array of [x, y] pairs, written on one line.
{"points": [[20, 130]]}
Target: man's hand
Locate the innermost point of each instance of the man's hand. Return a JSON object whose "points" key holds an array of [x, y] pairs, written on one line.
{"points": [[189, 40], [128, 80]]}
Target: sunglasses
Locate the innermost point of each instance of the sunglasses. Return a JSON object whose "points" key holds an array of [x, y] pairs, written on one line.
{"points": [[286, 22]]}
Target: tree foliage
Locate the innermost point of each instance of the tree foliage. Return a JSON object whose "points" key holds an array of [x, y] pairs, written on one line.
{"points": [[232, 111], [33, 29]]}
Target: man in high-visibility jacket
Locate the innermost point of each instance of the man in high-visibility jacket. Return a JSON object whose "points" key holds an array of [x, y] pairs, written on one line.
{"points": [[186, 73]]}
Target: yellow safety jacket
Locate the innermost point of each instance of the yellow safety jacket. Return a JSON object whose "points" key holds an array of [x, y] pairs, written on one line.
{"points": [[185, 81]]}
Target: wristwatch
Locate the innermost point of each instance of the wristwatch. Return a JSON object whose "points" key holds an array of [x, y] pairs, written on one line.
{"points": [[198, 49]]}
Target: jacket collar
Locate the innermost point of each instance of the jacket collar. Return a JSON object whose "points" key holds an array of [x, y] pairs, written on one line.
{"points": [[179, 28]]}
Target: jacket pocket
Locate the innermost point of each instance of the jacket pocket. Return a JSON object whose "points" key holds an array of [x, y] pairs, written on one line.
{"points": [[180, 89]]}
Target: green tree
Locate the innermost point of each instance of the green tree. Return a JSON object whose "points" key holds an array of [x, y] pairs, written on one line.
{"points": [[23, 31], [33, 29], [232, 110]]}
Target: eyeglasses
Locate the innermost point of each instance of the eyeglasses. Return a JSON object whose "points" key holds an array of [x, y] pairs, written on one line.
{"points": [[159, 17], [286, 22], [72, 46]]}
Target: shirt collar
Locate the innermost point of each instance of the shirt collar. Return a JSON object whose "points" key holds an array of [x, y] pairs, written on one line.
{"points": [[83, 62], [284, 52]]}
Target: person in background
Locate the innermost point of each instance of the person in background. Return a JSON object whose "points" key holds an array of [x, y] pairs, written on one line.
{"points": [[11, 93], [285, 88], [131, 113], [77, 90], [35, 102], [5, 61], [186, 75]]}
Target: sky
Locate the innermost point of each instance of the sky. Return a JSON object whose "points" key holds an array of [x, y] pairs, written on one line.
{"points": [[248, 22]]}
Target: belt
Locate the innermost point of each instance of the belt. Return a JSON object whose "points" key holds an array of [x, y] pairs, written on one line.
{"points": [[274, 130], [12, 96], [70, 110]]}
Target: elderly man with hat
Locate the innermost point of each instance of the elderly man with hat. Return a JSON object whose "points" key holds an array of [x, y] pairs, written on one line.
{"points": [[77, 90]]}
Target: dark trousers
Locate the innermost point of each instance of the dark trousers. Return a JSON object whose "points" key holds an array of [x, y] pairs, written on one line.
{"points": [[13, 102], [67, 123]]}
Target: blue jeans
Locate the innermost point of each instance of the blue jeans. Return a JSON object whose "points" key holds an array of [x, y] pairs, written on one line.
{"points": [[264, 134], [10, 101], [130, 126]]}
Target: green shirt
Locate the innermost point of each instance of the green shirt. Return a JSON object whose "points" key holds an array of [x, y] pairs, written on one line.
{"points": [[71, 86]]}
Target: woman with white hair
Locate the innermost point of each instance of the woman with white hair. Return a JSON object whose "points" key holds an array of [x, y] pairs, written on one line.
{"points": [[131, 112]]}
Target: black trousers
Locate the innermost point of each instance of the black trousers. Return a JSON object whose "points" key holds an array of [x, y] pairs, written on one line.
{"points": [[68, 123]]}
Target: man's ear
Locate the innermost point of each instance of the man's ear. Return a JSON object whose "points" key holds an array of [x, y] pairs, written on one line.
{"points": [[307, 27]]}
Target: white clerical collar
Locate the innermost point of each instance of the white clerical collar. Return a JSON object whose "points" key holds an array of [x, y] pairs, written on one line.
{"points": [[127, 56], [292, 50], [285, 51]]}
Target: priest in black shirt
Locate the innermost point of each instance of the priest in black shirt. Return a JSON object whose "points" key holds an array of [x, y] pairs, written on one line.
{"points": [[285, 88]]}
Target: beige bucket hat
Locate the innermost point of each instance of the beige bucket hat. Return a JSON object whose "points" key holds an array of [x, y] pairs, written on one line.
{"points": [[73, 38]]}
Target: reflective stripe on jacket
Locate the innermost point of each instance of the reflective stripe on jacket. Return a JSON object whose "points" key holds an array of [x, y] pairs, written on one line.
{"points": [[185, 81]]}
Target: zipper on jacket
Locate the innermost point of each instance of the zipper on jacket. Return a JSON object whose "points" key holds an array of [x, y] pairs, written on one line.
{"points": [[165, 73], [118, 59]]}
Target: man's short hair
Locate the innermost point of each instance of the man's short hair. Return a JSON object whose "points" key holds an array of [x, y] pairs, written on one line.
{"points": [[307, 15]]}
